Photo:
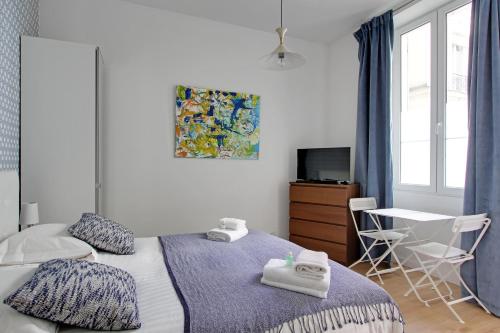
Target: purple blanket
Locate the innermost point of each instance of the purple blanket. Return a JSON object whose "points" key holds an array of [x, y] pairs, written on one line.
{"points": [[219, 287]]}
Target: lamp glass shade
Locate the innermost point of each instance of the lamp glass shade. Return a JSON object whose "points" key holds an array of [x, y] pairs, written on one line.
{"points": [[281, 58], [29, 213]]}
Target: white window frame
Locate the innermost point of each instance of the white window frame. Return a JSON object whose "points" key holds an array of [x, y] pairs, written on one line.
{"points": [[442, 92], [396, 114], [437, 19]]}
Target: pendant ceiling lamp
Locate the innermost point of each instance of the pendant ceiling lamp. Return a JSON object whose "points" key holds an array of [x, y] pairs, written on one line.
{"points": [[282, 58]]}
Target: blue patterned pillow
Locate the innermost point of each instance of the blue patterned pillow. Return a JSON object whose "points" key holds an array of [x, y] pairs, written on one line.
{"points": [[103, 234], [79, 293]]}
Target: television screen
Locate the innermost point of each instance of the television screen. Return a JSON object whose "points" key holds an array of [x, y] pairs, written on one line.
{"points": [[324, 164]]}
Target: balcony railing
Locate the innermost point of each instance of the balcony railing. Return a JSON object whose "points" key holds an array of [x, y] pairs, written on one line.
{"points": [[458, 83]]}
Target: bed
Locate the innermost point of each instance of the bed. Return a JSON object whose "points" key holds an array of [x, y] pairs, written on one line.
{"points": [[162, 305]]}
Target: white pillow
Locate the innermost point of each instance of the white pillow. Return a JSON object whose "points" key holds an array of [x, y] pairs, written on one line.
{"points": [[42, 243], [13, 277], [49, 229]]}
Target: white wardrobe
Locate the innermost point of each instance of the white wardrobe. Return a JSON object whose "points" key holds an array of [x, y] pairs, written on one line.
{"points": [[60, 128]]}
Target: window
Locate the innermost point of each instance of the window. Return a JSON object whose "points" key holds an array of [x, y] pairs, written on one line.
{"points": [[457, 56], [430, 101], [415, 118]]}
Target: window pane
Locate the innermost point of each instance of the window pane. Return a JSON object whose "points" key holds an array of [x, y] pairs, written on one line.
{"points": [[415, 161], [456, 161], [416, 106], [457, 57]]}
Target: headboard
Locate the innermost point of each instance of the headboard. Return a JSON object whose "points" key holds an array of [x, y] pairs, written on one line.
{"points": [[9, 203]]}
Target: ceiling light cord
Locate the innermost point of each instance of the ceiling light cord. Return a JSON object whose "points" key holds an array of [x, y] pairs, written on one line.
{"points": [[282, 13]]}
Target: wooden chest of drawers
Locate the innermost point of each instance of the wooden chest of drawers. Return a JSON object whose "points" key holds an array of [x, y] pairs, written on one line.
{"points": [[320, 219]]}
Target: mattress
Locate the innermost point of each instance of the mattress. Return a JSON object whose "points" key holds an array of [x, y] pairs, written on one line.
{"points": [[159, 307]]}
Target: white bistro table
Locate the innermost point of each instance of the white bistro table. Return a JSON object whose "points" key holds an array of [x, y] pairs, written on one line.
{"points": [[411, 219]]}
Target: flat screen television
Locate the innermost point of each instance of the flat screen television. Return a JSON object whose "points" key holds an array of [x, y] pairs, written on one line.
{"points": [[324, 164]]}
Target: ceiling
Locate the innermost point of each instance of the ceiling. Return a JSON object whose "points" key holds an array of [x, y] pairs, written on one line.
{"points": [[314, 20]]}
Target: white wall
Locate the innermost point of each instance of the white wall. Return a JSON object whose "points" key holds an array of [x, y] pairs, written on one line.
{"points": [[341, 130], [146, 53], [340, 124]]}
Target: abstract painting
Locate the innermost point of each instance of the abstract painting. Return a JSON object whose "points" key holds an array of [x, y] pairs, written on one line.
{"points": [[216, 124]]}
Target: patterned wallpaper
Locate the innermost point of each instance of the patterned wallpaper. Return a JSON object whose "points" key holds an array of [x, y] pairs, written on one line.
{"points": [[18, 17]]}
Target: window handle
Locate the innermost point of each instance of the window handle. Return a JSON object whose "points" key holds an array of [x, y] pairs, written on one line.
{"points": [[439, 125]]}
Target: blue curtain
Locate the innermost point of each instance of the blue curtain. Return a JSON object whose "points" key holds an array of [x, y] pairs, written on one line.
{"points": [[482, 184], [373, 165]]}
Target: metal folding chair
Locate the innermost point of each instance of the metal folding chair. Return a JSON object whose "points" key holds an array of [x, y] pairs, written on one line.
{"points": [[437, 254], [388, 237]]}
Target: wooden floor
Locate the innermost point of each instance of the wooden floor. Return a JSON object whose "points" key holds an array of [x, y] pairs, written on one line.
{"points": [[437, 317]]}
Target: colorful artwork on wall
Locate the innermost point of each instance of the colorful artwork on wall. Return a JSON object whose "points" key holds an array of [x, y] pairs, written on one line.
{"points": [[216, 124]]}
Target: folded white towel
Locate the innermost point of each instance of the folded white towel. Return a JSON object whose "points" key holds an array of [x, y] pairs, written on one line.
{"points": [[278, 274], [226, 235], [232, 223], [311, 264]]}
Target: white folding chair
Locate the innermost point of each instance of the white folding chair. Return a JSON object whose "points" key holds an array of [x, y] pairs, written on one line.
{"points": [[437, 254], [387, 237]]}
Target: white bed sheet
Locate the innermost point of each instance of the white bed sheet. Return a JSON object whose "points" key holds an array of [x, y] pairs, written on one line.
{"points": [[159, 307]]}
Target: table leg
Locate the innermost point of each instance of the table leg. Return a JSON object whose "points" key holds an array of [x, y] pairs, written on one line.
{"points": [[390, 249]]}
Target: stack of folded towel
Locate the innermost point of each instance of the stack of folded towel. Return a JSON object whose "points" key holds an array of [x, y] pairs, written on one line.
{"points": [[229, 230], [310, 274], [312, 264]]}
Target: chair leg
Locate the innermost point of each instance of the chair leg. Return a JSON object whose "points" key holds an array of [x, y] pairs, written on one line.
{"points": [[390, 246], [468, 289], [380, 259], [436, 289], [374, 267], [356, 262], [454, 313], [367, 253], [360, 260], [442, 279], [390, 250], [427, 275], [405, 260]]}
